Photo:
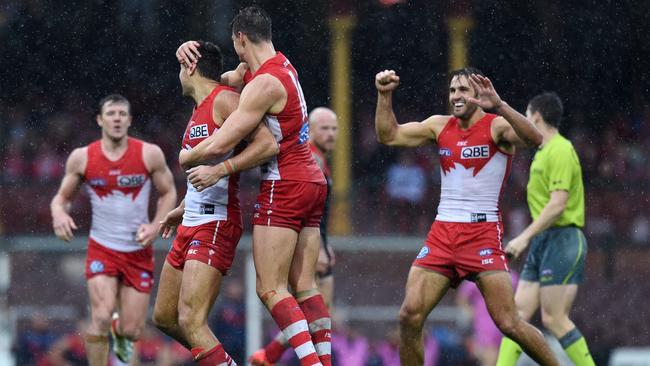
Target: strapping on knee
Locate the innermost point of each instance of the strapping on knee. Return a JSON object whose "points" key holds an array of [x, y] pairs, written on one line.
{"points": [[96, 338], [265, 297], [302, 295]]}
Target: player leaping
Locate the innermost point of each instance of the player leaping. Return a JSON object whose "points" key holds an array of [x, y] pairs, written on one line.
{"points": [[475, 150], [286, 237]]}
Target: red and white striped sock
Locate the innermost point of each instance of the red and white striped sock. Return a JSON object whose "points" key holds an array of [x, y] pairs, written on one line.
{"points": [[216, 356], [276, 348], [320, 327], [292, 323]]}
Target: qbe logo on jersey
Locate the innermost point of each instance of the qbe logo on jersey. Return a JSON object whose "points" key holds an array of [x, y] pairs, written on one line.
{"points": [[133, 180], [199, 131], [475, 152]]}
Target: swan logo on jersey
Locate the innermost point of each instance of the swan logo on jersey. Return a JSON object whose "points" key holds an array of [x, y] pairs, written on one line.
{"points": [[133, 180], [199, 131], [96, 266], [475, 152], [304, 133], [423, 253]]}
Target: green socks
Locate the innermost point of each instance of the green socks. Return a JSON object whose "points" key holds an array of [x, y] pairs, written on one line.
{"points": [[509, 352], [575, 346]]}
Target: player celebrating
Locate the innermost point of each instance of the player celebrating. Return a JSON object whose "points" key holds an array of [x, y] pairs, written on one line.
{"points": [[118, 171], [286, 238], [211, 227], [323, 129], [556, 259], [464, 242]]}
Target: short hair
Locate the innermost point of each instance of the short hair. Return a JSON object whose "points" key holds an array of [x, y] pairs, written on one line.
{"points": [[113, 98], [210, 64], [254, 22], [465, 71], [549, 106]]}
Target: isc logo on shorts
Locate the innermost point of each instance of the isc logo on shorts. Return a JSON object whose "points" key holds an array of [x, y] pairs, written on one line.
{"points": [[475, 152], [199, 131], [133, 180]]}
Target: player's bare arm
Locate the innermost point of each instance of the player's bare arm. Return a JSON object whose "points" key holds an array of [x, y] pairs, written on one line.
{"points": [[171, 221], [62, 222], [512, 128], [389, 131], [550, 213], [265, 94], [235, 78], [261, 147], [163, 181]]}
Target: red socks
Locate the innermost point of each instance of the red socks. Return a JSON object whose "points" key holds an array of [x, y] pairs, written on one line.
{"points": [[292, 323], [320, 326], [216, 356]]}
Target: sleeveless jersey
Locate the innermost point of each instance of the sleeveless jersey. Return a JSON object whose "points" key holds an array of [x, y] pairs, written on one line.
{"points": [[119, 195], [220, 201], [473, 172], [289, 127]]}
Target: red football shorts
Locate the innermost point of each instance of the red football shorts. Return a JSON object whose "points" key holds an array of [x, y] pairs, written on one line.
{"points": [[212, 243], [133, 269], [462, 250], [290, 204]]}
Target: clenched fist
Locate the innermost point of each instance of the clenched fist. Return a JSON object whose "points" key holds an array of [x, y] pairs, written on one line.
{"points": [[386, 81]]}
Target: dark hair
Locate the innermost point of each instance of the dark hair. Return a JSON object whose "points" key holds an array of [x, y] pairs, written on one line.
{"points": [[465, 71], [113, 98], [549, 106], [210, 65], [254, 23]]}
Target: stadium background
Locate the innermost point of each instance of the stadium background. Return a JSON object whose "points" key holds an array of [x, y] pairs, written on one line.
{"points": [[59, 58]]}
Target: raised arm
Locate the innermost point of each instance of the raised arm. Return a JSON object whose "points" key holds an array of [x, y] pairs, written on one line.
{"points": [[163, 181], [235, 78], [391, 133], [62, 223], [258, 97], [518, 130]]}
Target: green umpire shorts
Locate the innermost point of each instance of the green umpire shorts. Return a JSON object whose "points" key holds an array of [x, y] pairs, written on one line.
{"points": [[556, 257]]}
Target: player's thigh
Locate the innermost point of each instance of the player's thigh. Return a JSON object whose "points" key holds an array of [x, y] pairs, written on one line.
{"points": [[134, 305], [165, 310], [303, 267], [527, 298], [273, 249], [496, 288], [424, 290], [326, 288], [103, 293], [557, 300], [199, 289]]}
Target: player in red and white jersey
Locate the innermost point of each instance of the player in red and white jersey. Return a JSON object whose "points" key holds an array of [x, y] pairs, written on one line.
{"points": [[208, 220], [118, 171], [323, 130], [286, 238], [475, 149]]}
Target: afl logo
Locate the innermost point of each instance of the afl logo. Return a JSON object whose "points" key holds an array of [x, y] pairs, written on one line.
{"points": [[423, 253], [134, 180], [96, 266], [97, 182], [474, 152]]}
